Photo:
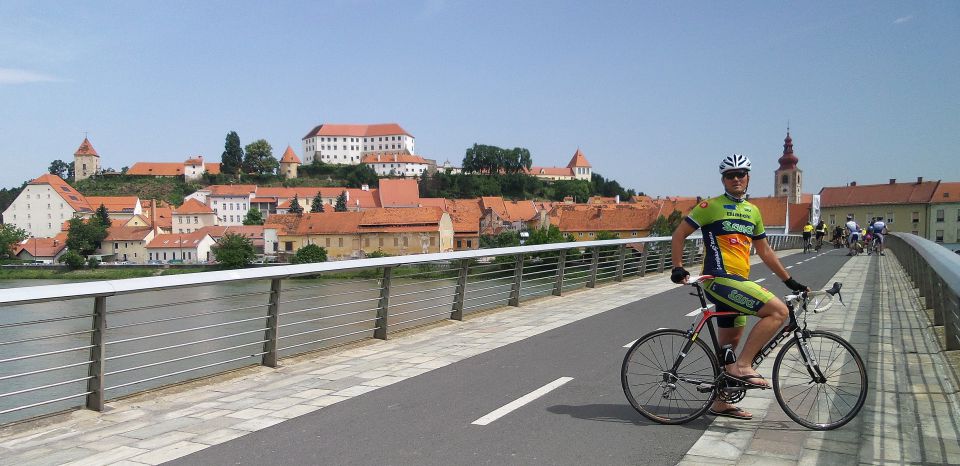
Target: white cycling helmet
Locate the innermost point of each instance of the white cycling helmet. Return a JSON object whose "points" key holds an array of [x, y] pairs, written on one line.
{"points": [[735, 162]]}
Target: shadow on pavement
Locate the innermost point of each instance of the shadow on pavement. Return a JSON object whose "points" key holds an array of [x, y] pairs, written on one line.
{"points": [[620, 413]]}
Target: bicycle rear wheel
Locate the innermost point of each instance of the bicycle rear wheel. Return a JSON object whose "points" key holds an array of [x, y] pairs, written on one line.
{"points": [[815, 402], [659, 393]]}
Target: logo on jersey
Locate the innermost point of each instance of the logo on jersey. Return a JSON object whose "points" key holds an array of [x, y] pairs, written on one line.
{"points": [[743, 300], [729, 206], [734, 240], [703, 205], [730, 226]]}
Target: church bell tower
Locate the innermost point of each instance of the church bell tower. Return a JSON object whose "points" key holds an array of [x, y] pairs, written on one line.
{"points": [[787, 178]]}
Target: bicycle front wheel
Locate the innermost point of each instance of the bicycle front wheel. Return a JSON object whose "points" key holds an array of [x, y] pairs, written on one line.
{"points": [[663, 394], [820, 381]]}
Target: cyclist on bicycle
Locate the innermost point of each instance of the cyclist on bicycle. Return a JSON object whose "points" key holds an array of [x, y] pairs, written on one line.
{"points": [[854, 235], [730, 226], [807, 233], [821, 231], [879, 229]]}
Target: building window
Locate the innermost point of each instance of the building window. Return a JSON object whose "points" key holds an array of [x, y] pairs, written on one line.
{"points": [[381, 242], [433, 241], [915, 216], [940, 213], [469, 243], [832, 219], [340, 242], [889, 217], [939, 236], [288, 246], [366, 242], [459, 243], [396, 241]]}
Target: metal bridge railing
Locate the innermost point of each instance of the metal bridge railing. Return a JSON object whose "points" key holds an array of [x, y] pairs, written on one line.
{"points": [[80, 344], [935, 272]]}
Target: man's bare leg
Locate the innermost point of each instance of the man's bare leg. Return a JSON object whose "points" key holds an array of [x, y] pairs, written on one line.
{"points": [[772, 315], [728, 336]]}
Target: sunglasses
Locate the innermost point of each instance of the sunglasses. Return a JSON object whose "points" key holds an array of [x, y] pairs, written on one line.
{"points": [[732, 175]]}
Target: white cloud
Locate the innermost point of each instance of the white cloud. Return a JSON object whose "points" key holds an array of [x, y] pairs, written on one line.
{"points": [[903, 19], [18, 76]]}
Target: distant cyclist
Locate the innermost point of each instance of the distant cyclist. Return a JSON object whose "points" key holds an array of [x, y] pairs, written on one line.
{"points": [[820, 231], [807, 233], [838, 236], [731, 226], [879, 230], [854, 235]]}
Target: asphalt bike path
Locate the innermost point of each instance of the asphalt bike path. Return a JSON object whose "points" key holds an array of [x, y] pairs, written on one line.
{"points": [[554, 398]]}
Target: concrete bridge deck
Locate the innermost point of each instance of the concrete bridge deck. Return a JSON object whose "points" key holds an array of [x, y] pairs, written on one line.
{"points": [[911, 415]]}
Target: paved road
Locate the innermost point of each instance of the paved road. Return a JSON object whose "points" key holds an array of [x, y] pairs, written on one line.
{"points": [[429, 419]]}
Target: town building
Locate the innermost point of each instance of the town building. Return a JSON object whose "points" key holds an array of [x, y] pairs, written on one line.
{"points": [[86, 161], [787, 178], [289, 164], [396, 164], [191, 169], [348, 144], [904, 206], [944, 215], [45, 250], [501, 215], [126, 243], [44, 204], [191, 216], [585, 222], [191, 247], [577, 169]]}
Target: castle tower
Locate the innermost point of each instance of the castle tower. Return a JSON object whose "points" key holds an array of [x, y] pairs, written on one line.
{"points": [[582, 170], [86, 161], [787, 178], [289, 163]]}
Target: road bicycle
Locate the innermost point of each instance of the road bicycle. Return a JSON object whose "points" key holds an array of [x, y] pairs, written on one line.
{"points": [[673, 376], [807, 245], [818, 244]]}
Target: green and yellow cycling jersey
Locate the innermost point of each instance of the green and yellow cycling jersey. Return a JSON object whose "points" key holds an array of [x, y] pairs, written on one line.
{"points": [[729, 227]]}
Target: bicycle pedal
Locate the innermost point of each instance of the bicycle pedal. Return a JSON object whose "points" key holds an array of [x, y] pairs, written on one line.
{"points": [[705, 388]]}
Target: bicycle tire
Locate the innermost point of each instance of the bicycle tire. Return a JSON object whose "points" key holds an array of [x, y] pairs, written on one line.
{"points": [[843, 368], [650, 354]]}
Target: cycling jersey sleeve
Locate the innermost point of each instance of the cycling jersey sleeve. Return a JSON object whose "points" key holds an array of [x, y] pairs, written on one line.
{"points": [[758, 231]]}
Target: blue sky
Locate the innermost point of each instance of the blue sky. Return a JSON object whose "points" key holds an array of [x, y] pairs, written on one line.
{"points": [[654, 93]]}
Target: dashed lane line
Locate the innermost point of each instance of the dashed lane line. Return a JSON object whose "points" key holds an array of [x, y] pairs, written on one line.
{"points": [[520, 402]]}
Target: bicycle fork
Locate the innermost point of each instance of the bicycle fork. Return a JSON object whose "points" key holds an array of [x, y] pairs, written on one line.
{"points": [[809, 357]]}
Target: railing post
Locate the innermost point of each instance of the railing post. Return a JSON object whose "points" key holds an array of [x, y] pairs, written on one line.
{"points": [[383, 306], [643, 259], [458, 297], [594, 261], [662, 260], [951, 328], [96, 385], [561, 264], [621, 260], [517, 280], [269, 358], [938, 293]]}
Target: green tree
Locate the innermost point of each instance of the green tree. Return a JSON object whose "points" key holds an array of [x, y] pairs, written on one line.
{"points": [[234, 251], [504, 239], [309, 254], [60, 168], [317, 204], [295, 207], [259, 159], [85, 236], [254, 217], [93, 262], [232, 157], [341, 205], [10, 236], [73, 260], [551, 234], [664, 226], [102, 216]]}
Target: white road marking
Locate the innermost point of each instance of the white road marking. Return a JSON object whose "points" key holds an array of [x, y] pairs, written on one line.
{"points": [[519, 402], [789, 267], [798, 263], [760, 280]]}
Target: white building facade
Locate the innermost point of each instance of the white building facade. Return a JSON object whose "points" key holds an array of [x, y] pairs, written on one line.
{"points": [[348, 144], [43, 205], [396, 164]]}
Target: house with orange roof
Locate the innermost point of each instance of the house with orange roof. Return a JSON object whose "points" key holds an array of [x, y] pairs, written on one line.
{"points": [[289, 164], [44, 204], [191, 247], [577, 169], [503, 215], [349, 143], [45, 250], [396, 164], [399, 193], [904, 206], [345, 235], [584, 222], [118, 207], [944, 215], [158, 215], [773, 210], [191, 169], [126, 244], [254, 233], [465, 215], [191, 216]]}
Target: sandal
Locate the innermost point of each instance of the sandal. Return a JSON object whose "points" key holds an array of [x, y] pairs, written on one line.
{"points": [[734, 412], [745, 380]]}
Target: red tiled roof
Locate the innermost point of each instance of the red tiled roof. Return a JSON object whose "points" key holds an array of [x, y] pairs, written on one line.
{"points": [[41, 247], [73, 197], [289, 156], [328, 223], [232, 189], [874, 194], [433, 202], [578, 160], [124, 233], [253, 232], [398, 157], [194, 161], [212, 168], [164, 215], [283, 223], [156, 169], [86, 149], [383, 129], [176, 240], [114, 204], [192, 206], [465, 214], [623, 217], [773, 210], [399, 193], [946, 192], [550, 171], [511, 211]]}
